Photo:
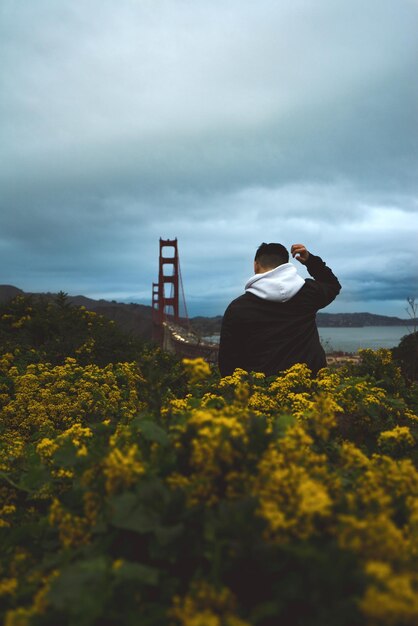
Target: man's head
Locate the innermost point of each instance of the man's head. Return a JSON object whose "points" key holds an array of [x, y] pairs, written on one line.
{"points": [[269, 256]]}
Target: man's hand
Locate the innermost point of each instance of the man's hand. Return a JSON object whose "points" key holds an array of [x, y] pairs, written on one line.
{"points": [[299, 252]]}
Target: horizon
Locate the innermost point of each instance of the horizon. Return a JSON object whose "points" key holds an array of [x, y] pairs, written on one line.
{"points": [[149, 304]]}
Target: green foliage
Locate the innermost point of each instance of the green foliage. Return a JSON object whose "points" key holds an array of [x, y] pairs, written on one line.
{"points": [[37, 329], [379, 366], [163, 376], [154, 493], [406, 355]]}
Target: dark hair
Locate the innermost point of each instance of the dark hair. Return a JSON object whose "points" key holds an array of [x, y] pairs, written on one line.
{"points": [[271, 255]]}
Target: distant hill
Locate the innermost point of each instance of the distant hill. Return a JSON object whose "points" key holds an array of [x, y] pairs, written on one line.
{"points": [[133, 318], [8, 292], [137, 318], [207, 326], [359, 319]]}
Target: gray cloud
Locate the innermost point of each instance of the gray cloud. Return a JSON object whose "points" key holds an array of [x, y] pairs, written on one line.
{"points": [[224, 124]]}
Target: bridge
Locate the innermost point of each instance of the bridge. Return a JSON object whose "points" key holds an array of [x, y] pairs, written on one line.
{"points": [[170, 321]]}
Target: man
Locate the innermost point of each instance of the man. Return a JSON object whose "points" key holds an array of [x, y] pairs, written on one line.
{"points": [[272, 326]]}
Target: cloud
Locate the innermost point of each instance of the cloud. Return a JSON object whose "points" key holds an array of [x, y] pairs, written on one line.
{"points": [[222, 123]]}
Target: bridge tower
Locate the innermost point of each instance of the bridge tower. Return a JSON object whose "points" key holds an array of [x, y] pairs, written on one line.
{"points": [[170, 328], [165, 293]]}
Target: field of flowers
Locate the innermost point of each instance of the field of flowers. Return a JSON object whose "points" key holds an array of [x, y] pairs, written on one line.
{"points": [[155, 493]]}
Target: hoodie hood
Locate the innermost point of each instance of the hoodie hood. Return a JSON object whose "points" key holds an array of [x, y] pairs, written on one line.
{"points": [[278, 285]]}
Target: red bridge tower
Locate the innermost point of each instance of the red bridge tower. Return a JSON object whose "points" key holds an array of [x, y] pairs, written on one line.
{"points": [[171, 329], [165, 293]]}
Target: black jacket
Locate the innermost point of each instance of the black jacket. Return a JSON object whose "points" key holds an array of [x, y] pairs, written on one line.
{"points": [[267, 336]]}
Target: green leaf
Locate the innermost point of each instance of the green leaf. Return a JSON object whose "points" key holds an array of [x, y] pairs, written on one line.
{"points": [[152, 432], [81, 590], [66, 455], [34, 479], [136, 572], [264, 611], [130, 514], [282, 424], [168, 534], [34, 475]]}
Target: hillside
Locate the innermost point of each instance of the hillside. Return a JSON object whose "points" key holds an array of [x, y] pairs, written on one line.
{"points": [[133, 318]]}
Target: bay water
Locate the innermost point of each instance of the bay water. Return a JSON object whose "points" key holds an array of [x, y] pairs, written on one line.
{"points": [[351, 339]]}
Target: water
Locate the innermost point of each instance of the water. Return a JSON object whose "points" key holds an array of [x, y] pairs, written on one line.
{"points": [[352, 339], [349, 339]]}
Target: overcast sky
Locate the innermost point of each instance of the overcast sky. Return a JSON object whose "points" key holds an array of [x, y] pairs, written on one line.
{"points": [[224, 123]]}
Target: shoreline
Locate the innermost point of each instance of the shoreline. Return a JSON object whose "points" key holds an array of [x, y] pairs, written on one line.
{"points": [[337, 358]]}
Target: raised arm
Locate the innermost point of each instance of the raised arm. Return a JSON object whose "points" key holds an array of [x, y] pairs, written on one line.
{"points": [[327, 284]]}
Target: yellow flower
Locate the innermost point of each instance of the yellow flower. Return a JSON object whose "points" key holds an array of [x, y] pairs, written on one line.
{"points": [[74, 530], [352, 457], [8, 586], [82, 450], [235, 379], [63, 473], [321, 415], [197, 369], [122, 469], [18, 617], [392, 597], [291, 488], [400, 437], [314, 498], [217, 445], [40, 600], [5, 511], [206, 606], [371, 536], [46, 448]]}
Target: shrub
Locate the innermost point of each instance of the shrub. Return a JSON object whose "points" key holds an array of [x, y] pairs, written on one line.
{"points": [[145, 493], [37, 329], [406, 355]]}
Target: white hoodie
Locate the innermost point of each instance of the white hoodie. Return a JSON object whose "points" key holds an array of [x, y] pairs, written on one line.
{"points": [[278, 285]]}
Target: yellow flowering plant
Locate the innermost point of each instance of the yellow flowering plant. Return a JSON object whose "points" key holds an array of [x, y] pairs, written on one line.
{"points": [[155, 492]]}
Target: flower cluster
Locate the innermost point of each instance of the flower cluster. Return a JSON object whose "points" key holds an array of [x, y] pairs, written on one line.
{"points": [[122, 469], [206, 606], [144, 493]]}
